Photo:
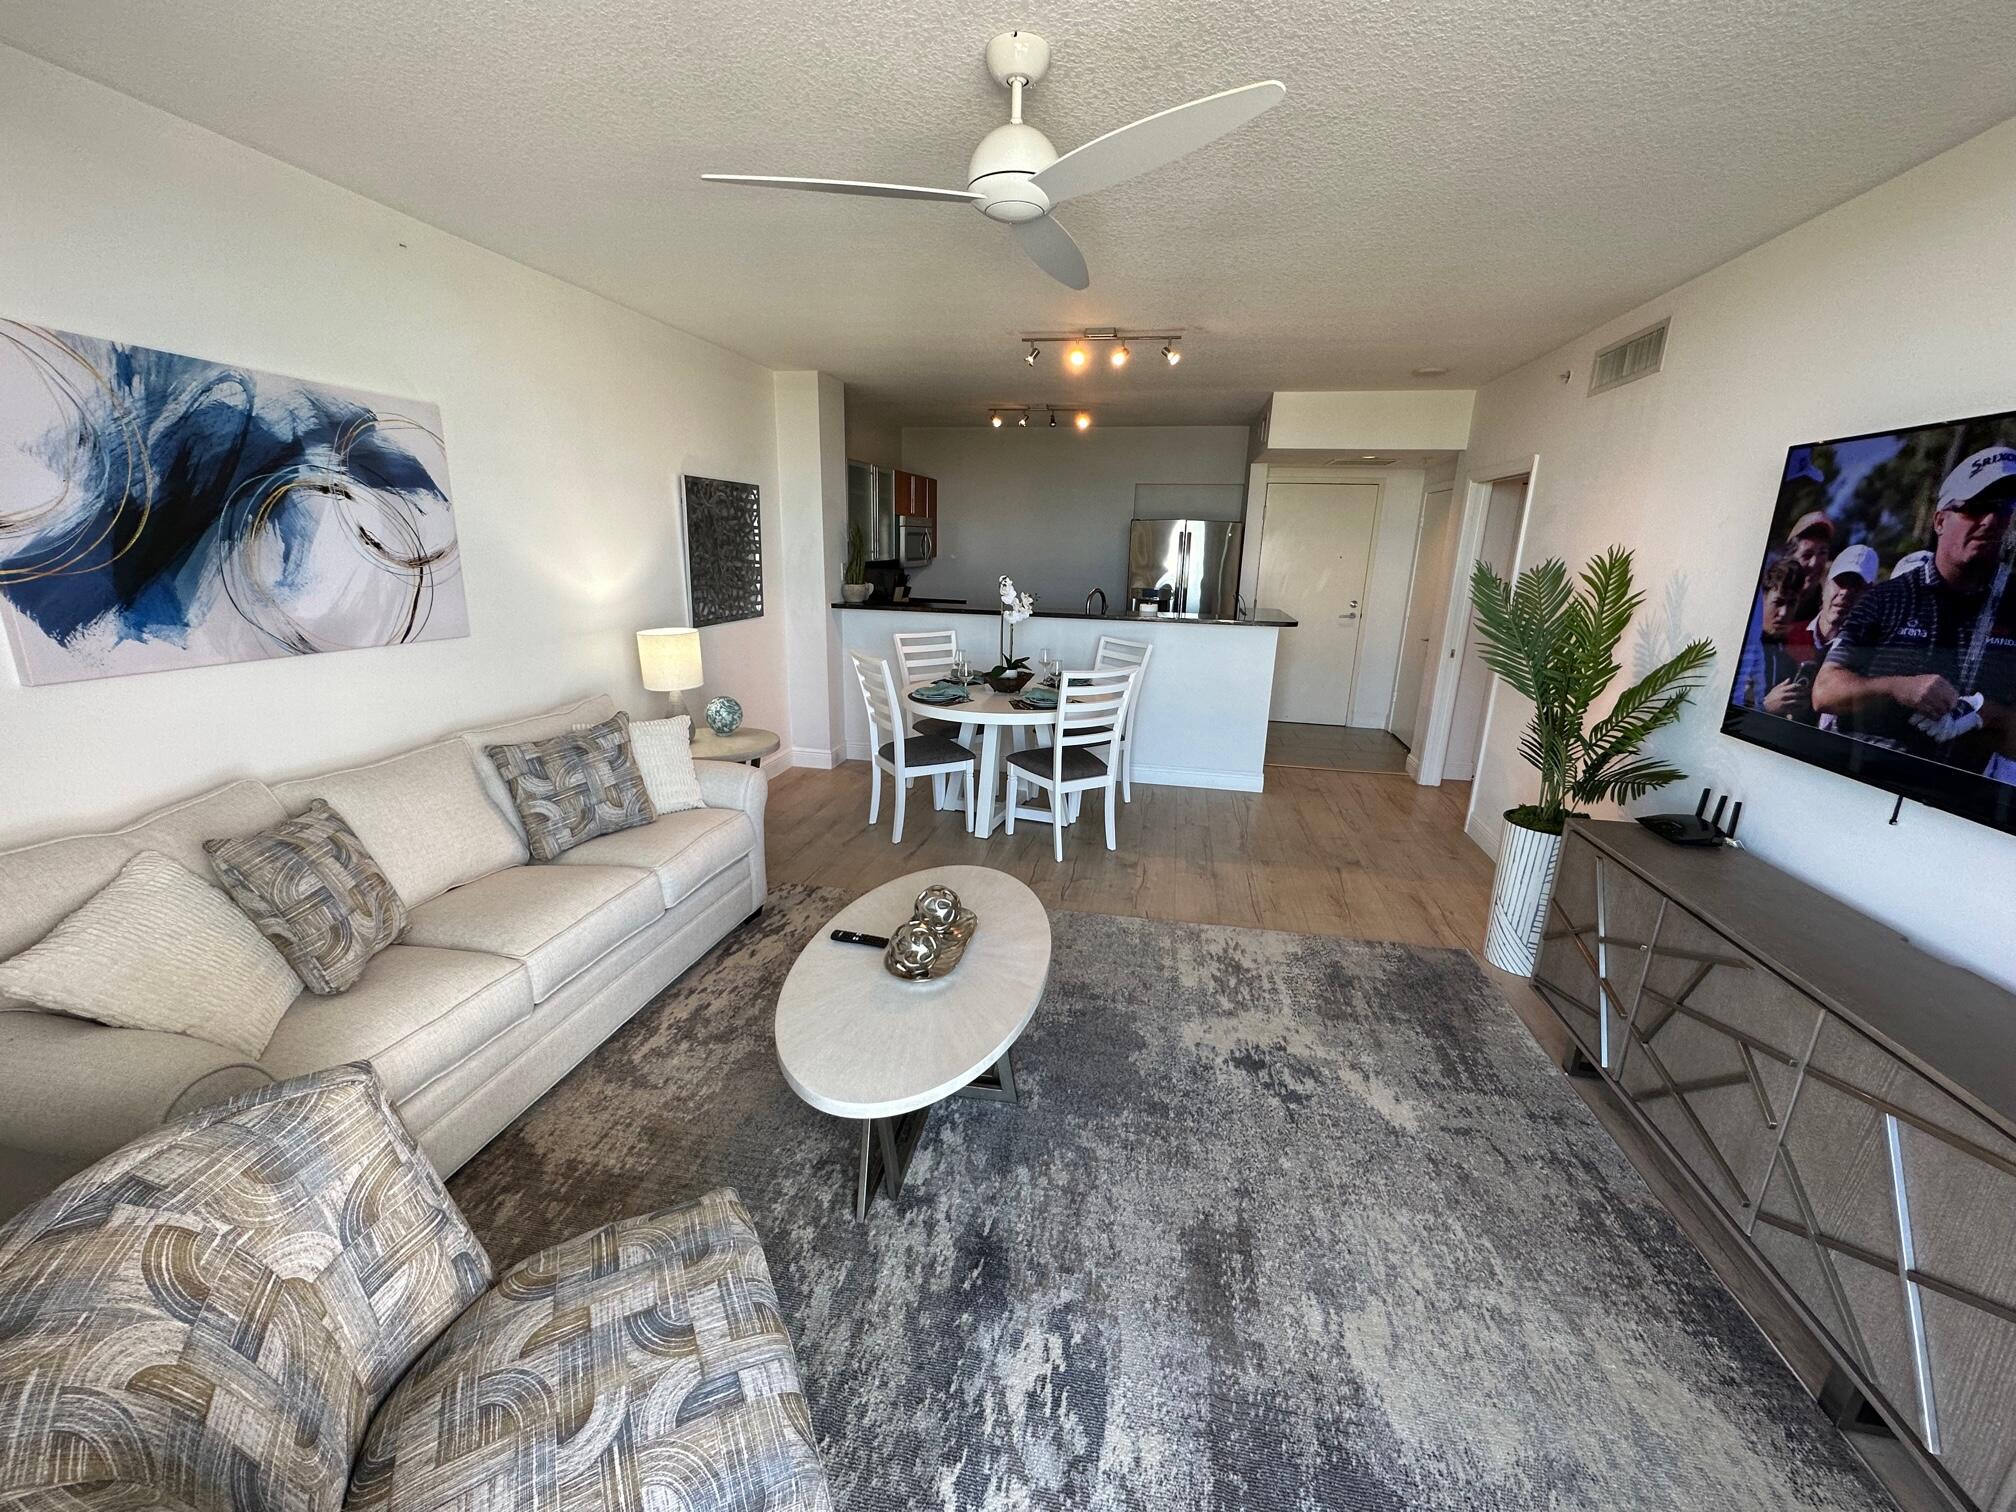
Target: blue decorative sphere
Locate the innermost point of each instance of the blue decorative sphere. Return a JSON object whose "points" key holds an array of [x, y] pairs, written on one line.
{"points": [[724, 715]]}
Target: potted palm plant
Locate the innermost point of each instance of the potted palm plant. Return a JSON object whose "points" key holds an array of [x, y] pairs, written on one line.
{"points": [[1556, 642], [854, 587]]}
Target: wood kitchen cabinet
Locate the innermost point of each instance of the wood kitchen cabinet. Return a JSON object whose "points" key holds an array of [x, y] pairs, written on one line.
{"points": [[916, 496]]}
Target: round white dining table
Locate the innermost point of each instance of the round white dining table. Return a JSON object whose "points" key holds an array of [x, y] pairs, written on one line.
{"points": [[992, 713]]}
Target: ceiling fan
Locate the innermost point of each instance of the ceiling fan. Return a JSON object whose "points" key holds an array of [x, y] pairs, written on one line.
{"points": [[1016, 176]]}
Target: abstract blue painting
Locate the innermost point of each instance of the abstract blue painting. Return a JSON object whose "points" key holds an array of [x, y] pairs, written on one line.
{"points": [[162, 511]]}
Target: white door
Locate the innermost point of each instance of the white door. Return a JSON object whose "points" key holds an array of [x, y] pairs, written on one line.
{"points": [[1315, 552], [1473, 684], [1427, 607]]}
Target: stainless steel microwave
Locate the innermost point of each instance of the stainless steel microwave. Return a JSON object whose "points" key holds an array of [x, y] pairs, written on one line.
{"points": [[919, 542]]}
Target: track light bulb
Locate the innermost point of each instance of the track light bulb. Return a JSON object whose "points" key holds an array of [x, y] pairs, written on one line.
{"points": [[1169, 353], [1077, 357], [994, 420], [1083, 421], [1022, 420], [1034, 352], [1119, 355], [1053, 419]]}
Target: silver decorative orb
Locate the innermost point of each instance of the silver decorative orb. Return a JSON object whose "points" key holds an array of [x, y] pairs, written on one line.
{"points": [[913, 947], [938, 906], [724, 715]]}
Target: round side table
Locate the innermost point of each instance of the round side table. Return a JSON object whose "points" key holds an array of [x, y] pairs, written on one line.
{"points": [[747, 744]]}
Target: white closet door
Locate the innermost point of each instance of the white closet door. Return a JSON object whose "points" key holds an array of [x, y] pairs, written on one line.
{"points": [[1315, 552]]}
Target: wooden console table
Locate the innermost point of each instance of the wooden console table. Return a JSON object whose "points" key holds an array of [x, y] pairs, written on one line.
{"points": [[1844, 1101]]}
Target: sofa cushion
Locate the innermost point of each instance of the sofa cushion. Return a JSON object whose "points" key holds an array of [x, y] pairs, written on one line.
{"points": [[424, 816], [683, 849], [582, 711], [574, 786], [42, 884], [416, 1011], [664, 752], [208, 1317], [641, 1364], [312, 888], [556, 919], [158, 948]]}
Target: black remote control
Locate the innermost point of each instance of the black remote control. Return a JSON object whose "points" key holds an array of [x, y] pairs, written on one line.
{"points": [[854, 937]]}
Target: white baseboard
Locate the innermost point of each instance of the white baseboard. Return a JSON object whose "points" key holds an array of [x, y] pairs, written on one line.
{"points": [[1201, 777], [1485, 830], [815, 757], [857, 750]]}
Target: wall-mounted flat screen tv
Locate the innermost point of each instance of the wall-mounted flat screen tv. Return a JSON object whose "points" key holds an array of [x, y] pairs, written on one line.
{"points": [[1882, 634]]}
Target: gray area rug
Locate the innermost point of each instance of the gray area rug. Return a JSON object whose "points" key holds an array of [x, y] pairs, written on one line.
{"points": [[1283, 1222]]}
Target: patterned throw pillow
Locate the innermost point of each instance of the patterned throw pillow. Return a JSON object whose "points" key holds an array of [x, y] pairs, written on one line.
{"points": [[573, 787], [159, 948], [664, 752], [315, 892], [209, 1317]]}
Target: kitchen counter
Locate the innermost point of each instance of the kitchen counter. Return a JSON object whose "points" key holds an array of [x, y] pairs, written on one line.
{"points": [[1266, 619], [1204, 701]]}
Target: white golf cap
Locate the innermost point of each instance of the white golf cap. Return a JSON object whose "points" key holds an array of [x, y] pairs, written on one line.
{"points": [[1858, 559], [1983, 470], [1910, 563]]}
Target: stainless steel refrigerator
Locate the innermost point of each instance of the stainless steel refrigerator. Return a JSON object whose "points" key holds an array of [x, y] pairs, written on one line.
{"points": [[1190, 566]]}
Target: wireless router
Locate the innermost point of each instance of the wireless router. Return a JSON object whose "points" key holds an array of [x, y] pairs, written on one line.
{"points": [[1696, 828]]}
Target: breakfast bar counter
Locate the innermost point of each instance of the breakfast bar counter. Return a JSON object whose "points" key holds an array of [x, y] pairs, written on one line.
{"points": [[1203, 702]]}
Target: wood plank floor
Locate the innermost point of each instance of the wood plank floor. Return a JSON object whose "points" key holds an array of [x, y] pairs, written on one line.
{"points": [[1335, 748], [1367, 855]]}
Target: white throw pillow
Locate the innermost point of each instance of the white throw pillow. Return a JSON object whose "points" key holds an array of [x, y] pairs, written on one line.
{"points": [[664, 752], [159, 948]]}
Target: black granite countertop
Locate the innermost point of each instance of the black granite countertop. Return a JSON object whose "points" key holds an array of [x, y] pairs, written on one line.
{"points": [[1271, 619]]}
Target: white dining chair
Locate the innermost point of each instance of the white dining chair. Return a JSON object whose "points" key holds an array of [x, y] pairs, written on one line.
{"points": [[904, 755], [1115, 652], [1091, 711], [922, 655]]}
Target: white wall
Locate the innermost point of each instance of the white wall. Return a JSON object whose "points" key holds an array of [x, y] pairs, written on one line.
{"points": [[1387, 578], [812, 499], [1366, 419], [568, 422], [1896, 308], [1051, 507], [872, 438]]}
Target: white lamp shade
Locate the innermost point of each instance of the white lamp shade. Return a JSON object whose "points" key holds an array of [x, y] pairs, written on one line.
{"points": [[670, 659]]}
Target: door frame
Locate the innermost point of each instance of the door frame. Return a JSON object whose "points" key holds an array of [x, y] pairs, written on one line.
{"points": [[1324, 477], [1427, 763]]}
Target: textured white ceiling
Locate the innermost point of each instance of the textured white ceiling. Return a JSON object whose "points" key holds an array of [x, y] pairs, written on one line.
{"points": [[1464, 183]]}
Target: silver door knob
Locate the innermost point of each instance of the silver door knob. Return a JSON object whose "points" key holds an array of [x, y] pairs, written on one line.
{"points": [[1351, 616]]}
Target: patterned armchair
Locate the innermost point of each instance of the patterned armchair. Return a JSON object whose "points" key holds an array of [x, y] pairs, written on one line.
{"points": [[274, 1306]]}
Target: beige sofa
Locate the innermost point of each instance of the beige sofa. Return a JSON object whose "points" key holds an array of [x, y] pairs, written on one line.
{"points": [[508, 973]]}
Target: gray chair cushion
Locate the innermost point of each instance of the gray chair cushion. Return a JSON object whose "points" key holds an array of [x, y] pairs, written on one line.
{"points": [[928, 750], [1079, 763], [208, 1317], [643, 1364], [944, 727]]}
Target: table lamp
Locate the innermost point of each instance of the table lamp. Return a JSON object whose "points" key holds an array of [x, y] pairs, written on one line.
{"points": [[670, 658]]}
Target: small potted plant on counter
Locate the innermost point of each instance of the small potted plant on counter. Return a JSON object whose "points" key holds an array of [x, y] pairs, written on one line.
{"points": [[1557, 645], [854, 585], [1013, 671]]}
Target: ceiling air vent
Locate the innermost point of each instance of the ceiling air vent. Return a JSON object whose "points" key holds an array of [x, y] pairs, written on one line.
{"points": [[1634, 357]]}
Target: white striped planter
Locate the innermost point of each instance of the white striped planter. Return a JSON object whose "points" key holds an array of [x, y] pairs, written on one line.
{"points": [[1520, 893]]}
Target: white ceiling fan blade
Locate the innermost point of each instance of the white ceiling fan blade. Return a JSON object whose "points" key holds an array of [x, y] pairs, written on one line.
{"points": [[1155, 140], [1050, 247], [844, 186]]}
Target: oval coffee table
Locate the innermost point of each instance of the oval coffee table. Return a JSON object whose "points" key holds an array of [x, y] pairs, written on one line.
{"points": [[856, 1042]]}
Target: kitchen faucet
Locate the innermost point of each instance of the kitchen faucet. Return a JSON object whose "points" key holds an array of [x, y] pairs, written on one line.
{"points": [[1099, 594]]}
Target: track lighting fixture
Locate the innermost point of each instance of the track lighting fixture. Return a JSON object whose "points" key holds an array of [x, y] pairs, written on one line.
{"points": [[994, 419], [1034, 352], [997, 414], [1119, 355], [1053, 419], [1169, 353], [1078, 349], [1082, 420], [1077, 357], [1023, 419]]}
